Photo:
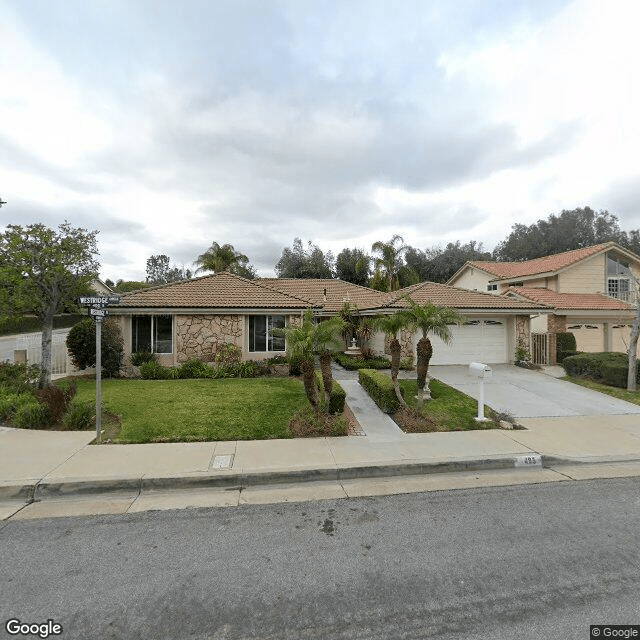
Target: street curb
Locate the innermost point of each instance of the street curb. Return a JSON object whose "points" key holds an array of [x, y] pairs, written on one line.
{"points": [[43, 490]]}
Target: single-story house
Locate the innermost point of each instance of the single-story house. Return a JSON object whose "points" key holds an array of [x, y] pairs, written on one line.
{"points": [[189, 319]]}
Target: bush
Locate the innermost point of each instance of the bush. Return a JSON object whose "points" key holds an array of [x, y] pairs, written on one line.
{"points": [[153, 370], [80, 416], [140, 357], [380, 387], [19, 377], [353, 364], [56, 400], [81, 343], [228, 353], [565, 342], [31, 415], [609, 368], [295, 366], [195, 368], [10, 401], [406, 364], [561, 355], [338, 395]]}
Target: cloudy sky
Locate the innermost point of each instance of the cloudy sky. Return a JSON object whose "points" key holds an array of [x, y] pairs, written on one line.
{"points": [[167, 125]]}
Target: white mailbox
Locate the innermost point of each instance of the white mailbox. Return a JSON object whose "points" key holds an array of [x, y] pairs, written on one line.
{"points": [[480, 370]]}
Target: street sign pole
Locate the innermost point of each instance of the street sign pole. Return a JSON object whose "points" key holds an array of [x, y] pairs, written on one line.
{"points": [[98, 378]]}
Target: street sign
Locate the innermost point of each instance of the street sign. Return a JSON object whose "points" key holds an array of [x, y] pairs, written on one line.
{"points": [[100, 300], [98, 313]]}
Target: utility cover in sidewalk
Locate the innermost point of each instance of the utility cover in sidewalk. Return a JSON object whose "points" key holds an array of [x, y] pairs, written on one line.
{"points": [[222, 462]]}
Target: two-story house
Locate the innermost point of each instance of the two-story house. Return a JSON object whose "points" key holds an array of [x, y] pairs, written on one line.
{"points": [[592, 290]]}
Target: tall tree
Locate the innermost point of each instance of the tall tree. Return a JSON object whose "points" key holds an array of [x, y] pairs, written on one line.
{"points": [[443, 263], [389, 259], [219, 258], [299, 262], [353, 265], [161, 271], [43, 272], [569, 230]]}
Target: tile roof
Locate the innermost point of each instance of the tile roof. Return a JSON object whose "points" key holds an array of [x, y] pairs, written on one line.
{"points": [[221, 290], [574, 301], [503, 270], [330, 294], [446, 295]]}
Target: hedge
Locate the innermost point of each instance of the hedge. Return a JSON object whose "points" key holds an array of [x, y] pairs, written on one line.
{"points": [[338, 394], [609, 368], [380, 387]]}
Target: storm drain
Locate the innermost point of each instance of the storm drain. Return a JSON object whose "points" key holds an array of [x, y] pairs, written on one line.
{"points": [[222, 462]]}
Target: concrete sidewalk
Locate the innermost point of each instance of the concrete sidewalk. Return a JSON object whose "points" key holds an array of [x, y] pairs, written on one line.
{"points": [[42, 471]]}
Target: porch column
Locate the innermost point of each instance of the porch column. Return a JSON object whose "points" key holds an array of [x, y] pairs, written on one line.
{"points": [[555, 324], [607, 336]]}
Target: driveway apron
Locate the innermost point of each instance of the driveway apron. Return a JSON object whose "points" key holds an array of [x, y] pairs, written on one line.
{"points": [[530, 394]]}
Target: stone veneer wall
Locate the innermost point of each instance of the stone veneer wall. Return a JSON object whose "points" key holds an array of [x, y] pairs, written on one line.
{"points": [[556, 324], [198, 336], [523, 332]]}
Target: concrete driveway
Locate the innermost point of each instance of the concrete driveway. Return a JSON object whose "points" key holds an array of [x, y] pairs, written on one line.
{"points": [[532, 394]]}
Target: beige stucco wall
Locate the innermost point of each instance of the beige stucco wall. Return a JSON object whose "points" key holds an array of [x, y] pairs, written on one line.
{"points": [[587, 276], [473, 279]]}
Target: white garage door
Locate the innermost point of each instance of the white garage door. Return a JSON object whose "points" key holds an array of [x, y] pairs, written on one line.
{"points": [[476, 341]]}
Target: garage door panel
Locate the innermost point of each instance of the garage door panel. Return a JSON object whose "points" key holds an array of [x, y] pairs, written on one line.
{"points": [[479, 340]]}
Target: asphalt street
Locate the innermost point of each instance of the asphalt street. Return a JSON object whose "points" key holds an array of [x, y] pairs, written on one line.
{"points": [[542, 561]]}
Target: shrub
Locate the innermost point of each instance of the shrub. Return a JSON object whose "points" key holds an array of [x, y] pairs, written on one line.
{"points": [[153, 370], [561, 355], [31, 415], [565, 342], [10, 401], [81, 343], [140, 357], [380, 387], [406, 364], [352, 364], [80, 416], [337, 397], [19, 377], [295, 366], [228, 353], [610, 368], [56, 400], [195, 368]]}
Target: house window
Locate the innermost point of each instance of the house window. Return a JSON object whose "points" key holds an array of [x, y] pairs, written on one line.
{"points": [[152, 333], [261, 336], [618, 278], [492, 287]]}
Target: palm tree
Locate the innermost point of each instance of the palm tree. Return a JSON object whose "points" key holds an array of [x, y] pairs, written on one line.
{"points": [[429, 318], [220, 258], [325, 337], [391, 325], [307, 339], [390, 259]]}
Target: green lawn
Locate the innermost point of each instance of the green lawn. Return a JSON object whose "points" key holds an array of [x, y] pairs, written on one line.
{"points": [[200, 410], [616, 392], [451, 409]]}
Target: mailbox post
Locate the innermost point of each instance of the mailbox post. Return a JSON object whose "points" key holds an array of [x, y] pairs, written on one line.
{"points": [[480, 371]]}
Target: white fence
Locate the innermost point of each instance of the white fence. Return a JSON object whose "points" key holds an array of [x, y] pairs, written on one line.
{"points": [[31, 343]]}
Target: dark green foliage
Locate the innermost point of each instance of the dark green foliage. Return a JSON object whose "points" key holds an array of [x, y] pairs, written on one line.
{"points": [[140, 357], [353, 364], [380, 387], [81, 343], [565, 342], [30, 324], [31, 415], [353, 265], [160, 271], [299, 262], [153, 370], [337, 397], [564, 232], [19, 377], [10, 401], [56, 400], [228, 353], [609, 368], [295, 365], [561, 355], [195, 368], [80, 416]]}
